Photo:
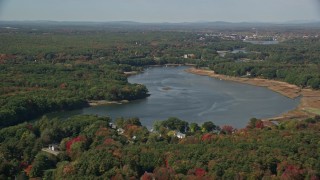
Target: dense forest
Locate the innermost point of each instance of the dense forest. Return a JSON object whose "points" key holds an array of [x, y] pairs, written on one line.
{"points": [[59, 70], [32, 89], [294, 61], [45, 70], [91, 148]]}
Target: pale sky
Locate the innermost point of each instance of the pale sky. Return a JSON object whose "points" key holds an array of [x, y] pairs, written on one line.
{"points": [[161, 10]]}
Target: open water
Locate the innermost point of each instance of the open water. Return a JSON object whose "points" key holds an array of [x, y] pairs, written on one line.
{"points": [[194, 98]]}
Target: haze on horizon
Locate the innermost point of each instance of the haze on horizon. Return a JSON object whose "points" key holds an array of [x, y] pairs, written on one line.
{"points": [[161, 10]]}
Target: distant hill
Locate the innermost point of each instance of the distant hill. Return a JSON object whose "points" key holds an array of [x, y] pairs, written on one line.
{"points": [[119, 25]]}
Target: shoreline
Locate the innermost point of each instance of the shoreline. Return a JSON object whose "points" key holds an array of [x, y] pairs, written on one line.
{"points": [[105, 102], [309, 105]]}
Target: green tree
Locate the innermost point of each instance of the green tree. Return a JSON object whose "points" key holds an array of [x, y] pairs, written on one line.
{"points": [[194, 127], [314, 83], [208, 126], [174, 123], [42, 162]]}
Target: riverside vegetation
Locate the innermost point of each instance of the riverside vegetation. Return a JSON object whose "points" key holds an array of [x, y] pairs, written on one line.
{"points": [[91, 149], [63, 68]]}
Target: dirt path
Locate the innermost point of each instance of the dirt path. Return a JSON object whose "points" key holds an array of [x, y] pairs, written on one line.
{"points": [[310, 99]]}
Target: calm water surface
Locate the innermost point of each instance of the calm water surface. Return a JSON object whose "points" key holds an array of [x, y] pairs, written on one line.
{"points": [[194, 98]]}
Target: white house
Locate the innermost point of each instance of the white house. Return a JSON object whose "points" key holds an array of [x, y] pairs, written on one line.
{"points": [[53, 147], [112, 126], [180, 135], [120, 131]]}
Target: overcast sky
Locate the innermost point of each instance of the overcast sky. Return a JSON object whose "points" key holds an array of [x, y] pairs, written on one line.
{"points": [[161, 10]]}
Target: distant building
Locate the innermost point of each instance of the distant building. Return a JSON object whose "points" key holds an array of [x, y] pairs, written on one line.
{"points": [[111, 125], [120, 131], [53, 147], [180, 135], [192, 56]]}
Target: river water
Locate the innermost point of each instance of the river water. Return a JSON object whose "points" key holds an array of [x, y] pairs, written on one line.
{"points": [[194, 98]]}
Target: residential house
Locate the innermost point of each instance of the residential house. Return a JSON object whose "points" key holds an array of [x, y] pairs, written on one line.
{"points": [[53, 147], [180, 135], [113, 126], [120, 131], [192, 56]]}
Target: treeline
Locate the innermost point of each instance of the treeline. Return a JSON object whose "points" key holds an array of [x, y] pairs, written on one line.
{"points": [[294, 51], [91, 147], [142, 62], [70, 46], [300, 75], [32, 89], [142, 48], [295, 61]]}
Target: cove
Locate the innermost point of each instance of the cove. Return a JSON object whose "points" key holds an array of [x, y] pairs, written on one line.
{"points": [[194, 98]]}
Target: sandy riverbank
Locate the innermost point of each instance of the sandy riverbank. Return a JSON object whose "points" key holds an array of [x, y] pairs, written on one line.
{"points": [[104, 102], [310, 99]]}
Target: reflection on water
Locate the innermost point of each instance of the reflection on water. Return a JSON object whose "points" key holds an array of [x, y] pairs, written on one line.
{"points": [[195, 99]]}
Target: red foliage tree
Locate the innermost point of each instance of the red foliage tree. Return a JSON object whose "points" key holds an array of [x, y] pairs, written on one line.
{"points": [[147, 176], [163, 173], [68, 169], [200, 172], [167, 163], [27, 170], [130, 130], [108, 141], [259, 124], [103, 132], [70, 142], [207, 137], [197, 174], [227, 129], [289, 171], [292, 172]]}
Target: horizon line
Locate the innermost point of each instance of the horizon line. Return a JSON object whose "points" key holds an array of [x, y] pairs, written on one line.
{"points": [[164, 22]]}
